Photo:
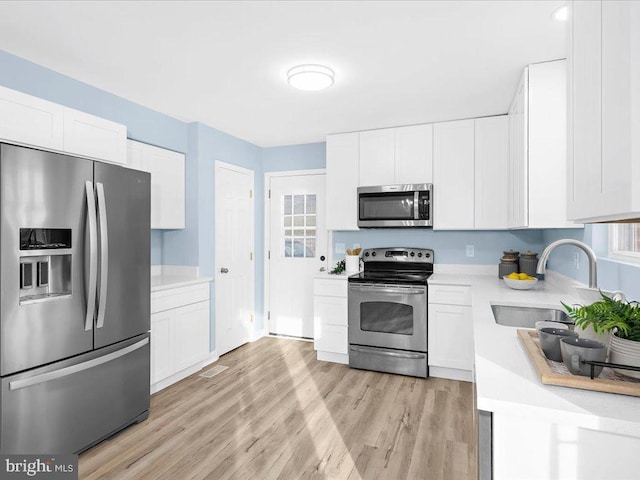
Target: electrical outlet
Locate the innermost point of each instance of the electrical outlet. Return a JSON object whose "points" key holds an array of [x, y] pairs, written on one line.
{"points": [[576, 260], [340, 248], [471, 250]]}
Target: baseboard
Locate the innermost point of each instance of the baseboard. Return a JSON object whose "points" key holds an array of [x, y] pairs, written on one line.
{"points": [[451, 373], [333, 357], [257, 335], [213, 357]]}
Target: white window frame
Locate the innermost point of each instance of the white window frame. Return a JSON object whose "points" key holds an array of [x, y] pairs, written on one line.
{"points": [[623, 255]]}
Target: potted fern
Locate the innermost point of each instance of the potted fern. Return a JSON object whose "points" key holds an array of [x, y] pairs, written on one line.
{"points": [[619, 322]]}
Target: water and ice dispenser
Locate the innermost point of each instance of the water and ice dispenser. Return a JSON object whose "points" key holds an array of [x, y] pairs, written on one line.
{"points": [[45, 264]]}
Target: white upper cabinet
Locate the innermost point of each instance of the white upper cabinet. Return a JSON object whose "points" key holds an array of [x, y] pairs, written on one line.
{"points": [[377, 149], [604, 107], [518, 148], [547, 122], [414, 154], [94, 137], [492, 173], [167, 170], [29, 120], [453, 175], [342, 181]]}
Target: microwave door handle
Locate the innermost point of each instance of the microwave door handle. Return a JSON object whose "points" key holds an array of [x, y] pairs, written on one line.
{"points": [[416, 205], [93, 256], [104, 255]]}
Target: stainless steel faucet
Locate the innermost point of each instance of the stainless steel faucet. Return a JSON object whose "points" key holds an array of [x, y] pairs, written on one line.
{"points": [[593, 269]]}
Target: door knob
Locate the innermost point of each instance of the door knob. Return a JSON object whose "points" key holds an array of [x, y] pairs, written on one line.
{"points": [[224, 270]]}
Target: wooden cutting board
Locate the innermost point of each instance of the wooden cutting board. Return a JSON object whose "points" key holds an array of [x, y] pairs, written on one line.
{"points": [[556, 373]]}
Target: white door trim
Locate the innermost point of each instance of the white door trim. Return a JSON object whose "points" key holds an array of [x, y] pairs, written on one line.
{"points": [[252, 277], [267, 224]]}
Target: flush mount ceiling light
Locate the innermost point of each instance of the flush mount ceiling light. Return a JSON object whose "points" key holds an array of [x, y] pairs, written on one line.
{"points": [[310, 77], [561, 13]]}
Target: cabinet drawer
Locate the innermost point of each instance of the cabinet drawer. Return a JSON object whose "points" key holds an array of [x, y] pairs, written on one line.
{"points": [[330, 288], [178, 297], [330, 310], [450, 294], [331, 338]]}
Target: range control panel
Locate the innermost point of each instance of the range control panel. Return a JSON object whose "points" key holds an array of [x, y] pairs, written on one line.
{"points": [[409, 255]]}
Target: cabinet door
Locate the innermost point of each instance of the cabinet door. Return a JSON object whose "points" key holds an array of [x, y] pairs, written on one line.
{"points": [[137, 155], [376, 157], [414, 154], [585, 165], [492, 173], [162, 361], [30, 120], [453, 175], [518, 183], [342, 181], [450, 337], [191, 335], [330, 324], [167, 188], [94, 137]]}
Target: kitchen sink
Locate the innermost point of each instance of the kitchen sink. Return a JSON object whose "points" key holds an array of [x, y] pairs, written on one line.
{"points": [[526, 317]]}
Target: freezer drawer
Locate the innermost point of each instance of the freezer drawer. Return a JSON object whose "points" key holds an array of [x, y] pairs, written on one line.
{"points": [[70, 405]]}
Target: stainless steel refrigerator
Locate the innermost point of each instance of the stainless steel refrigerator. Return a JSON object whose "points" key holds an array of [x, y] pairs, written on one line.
{"points": [[74, 300]]}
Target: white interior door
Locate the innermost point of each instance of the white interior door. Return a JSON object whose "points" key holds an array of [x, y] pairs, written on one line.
{"points": [[234, 234], [297, 249]]}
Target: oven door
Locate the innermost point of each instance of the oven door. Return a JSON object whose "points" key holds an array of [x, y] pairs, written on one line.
{"points": [[388, 316]]}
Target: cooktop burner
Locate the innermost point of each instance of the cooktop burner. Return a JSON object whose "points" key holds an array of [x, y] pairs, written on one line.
{"points": [[404, 266]]}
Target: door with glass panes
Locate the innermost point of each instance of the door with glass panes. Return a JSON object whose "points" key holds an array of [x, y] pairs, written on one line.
{"points": [[298, 249]]}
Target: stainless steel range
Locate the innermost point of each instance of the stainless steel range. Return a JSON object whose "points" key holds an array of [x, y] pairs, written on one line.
{"points": [[388, 311]]}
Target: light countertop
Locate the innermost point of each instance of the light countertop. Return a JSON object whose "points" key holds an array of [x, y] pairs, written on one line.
{"points": [[330, 276], [506, 380], [165, 281]]}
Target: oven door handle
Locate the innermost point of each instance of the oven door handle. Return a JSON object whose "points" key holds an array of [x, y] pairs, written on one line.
{"points": [[412, 356], [398, 291]]}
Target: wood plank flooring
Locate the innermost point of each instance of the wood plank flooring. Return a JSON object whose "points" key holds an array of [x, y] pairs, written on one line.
{"points": [[278, 413]]}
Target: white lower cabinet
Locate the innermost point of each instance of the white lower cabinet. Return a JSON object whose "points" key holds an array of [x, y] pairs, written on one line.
{"points": [[450, 335], [330, 334], [179, 333]]}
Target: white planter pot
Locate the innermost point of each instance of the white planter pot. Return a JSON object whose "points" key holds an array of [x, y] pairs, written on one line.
{"points": [[625, 352], [590, 334]]}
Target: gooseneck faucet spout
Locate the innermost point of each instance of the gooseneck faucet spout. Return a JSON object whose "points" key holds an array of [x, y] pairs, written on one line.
{"points": [[593, 269]]}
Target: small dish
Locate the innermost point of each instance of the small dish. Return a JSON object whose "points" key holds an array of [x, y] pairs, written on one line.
{"points": [[520, 284], [550, 341]]}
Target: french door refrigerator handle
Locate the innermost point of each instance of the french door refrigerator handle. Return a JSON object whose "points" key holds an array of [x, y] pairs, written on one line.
{"points": [[66, 371], [93, 256], [104, 254]]}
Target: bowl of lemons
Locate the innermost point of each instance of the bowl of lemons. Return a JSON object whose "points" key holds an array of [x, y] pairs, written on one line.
{"points": [[520, 281]]}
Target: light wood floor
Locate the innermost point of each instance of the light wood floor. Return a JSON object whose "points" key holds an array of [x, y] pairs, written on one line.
{"points": [[277, 412]]}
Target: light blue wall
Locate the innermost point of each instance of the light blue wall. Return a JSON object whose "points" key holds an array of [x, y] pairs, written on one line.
{"points": [[449, 246], [294, 157], [612, 274]]}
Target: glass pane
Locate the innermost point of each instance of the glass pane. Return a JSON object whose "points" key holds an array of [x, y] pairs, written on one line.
{"points": [[629, 237], [390, 206], [298, 247], [287, 232], [287, 247], [298, 204], [310, 251], [311, 232], [386, 317], [287, 204], [311, 203], [311, 220], [298, 220], [287, 221], [299, 232]]}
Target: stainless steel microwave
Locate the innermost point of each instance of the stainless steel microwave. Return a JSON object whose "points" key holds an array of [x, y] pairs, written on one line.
{"points": [[395, 206]]}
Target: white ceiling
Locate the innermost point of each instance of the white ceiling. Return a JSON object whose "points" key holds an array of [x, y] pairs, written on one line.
{"points": [[224, 63]]}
